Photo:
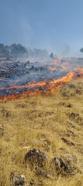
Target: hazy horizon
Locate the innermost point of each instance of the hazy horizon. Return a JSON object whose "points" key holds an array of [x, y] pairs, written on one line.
{"points": [[53, 25]]}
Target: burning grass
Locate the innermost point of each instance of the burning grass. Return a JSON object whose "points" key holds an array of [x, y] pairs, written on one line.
{"points": [[50, 125], [37, 88]]}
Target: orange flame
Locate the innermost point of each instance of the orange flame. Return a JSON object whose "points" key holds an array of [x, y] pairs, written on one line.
{"points": [[44, 85]]}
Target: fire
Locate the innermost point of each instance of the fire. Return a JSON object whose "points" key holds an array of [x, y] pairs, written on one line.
{"points": [[34, 85], [36, 88], [80, 71]]}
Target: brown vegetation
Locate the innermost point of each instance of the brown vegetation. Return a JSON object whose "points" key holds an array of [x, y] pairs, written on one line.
{"points": [[41, 139]]}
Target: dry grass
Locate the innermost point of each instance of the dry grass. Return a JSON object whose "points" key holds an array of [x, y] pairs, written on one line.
{"points": [[45, 123]]}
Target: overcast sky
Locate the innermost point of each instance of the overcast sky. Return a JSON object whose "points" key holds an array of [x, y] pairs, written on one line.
{"points": [[53, 24]]}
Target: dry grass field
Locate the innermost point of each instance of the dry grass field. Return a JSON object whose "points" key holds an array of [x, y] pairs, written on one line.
{"points": [[49, 126]]}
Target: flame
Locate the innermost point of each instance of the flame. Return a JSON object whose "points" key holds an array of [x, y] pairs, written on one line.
{"points": [[36, 88], [80, 71], [30, 85]]}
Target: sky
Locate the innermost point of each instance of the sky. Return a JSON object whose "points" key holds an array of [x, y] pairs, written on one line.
{"points": [[55, 25]]}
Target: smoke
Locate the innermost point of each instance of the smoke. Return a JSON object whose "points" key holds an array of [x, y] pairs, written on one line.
{"points": [[66, 51], [25, 31]]}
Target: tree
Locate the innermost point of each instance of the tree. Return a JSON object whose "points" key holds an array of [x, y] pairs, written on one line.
{"points": [[52, 55], [81, 50]]}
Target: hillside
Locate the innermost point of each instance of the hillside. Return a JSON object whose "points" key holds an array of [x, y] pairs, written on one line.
{"points": [[41, 138]]}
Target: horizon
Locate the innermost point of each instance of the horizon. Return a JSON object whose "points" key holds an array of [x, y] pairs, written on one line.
{"points": [[52, 25], [46, 50]]}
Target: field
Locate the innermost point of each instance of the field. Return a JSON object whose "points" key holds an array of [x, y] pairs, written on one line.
{"points": [[52, 124]]}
